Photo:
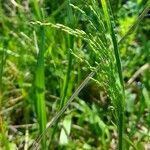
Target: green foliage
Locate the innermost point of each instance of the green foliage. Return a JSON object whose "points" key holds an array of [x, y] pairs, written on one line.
{"points": [[74, 74]]}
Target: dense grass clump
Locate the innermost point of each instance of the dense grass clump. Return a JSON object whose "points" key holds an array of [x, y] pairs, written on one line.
{"points": [[74, 74]]}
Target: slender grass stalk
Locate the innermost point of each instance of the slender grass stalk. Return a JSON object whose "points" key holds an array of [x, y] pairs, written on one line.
{"points": [[69, 43], [40, 79], [119, 108], [40, 86]]}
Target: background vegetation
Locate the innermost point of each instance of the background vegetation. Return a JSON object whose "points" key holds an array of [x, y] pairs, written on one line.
{"points": [[74, 74]]}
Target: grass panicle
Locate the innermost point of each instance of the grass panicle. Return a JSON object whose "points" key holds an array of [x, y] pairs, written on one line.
{"points": [[86, 37]]}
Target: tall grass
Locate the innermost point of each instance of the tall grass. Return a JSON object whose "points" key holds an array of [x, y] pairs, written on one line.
{"points": [[40, 77], [40, 86], [81, 48], [117, 95], [69, 45], [120, 104]]}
